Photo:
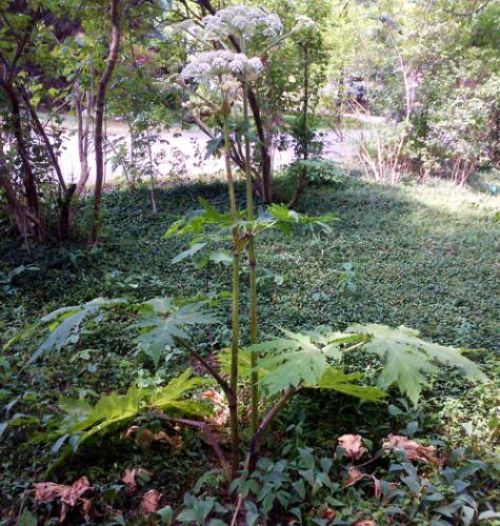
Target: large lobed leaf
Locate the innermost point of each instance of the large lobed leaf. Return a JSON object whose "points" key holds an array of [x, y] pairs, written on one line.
{"points": [[305, 359], [196, 222], [209, 225], [290, 361], [284, 218], [344, 383], [64, 324], [408, 360], [162, 323], [86, 420]]}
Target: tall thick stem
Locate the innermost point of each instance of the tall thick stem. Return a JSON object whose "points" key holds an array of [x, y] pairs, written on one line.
{"points": [[235, 324], [252, 264], [305, 105]]}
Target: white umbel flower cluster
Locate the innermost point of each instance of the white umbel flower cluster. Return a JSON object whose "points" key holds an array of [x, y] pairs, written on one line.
{"points": [[243, 21], [304, 23], [186, 26], [211, 64]]}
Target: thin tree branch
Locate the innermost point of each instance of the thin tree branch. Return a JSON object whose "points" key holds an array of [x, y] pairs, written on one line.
{"points": [[24, 42], [237, 509], [41, 132]]}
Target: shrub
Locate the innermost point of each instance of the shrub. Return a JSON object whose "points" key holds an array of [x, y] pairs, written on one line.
{"points": [[461, 134], [316, 171]]}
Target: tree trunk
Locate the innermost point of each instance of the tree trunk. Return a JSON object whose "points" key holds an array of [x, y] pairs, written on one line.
{"points": [[99, 117], [152, 189], [29, 181], [15, 206], [83, 125], [65, 212]]}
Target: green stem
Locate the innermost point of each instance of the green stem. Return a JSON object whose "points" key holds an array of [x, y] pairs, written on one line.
{"points": [[305, 108], [251, 261], [235, 337]]}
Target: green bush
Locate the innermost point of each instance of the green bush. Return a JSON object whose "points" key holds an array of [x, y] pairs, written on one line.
{"points": [[316, 172], [460, 134]]}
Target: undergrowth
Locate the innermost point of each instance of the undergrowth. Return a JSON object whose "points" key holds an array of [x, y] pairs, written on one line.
{"points": [[424, 256]]}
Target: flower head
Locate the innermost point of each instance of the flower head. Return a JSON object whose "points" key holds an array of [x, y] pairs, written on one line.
{"points": [[243, 21], [186, 26], [210, 64], [304, 23]]}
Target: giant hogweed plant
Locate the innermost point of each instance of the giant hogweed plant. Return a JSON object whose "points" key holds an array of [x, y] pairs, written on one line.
{"points": [[275, 369]]}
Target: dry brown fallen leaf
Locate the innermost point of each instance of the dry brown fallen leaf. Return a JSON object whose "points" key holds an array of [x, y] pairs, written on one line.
{"points": [[221, 416], [354, 475], [130, 477], [328, 514], [68, 495], [213, 395], [88, 510], [413, 450], [131, 431], [47, 491], [145, 437], [353, 446], [150, 501]]}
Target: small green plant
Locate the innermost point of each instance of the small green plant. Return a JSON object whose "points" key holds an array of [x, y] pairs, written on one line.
{"points": [[316, 172], [7, 280], [348, 280], [201, 511], [306, 172]]}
